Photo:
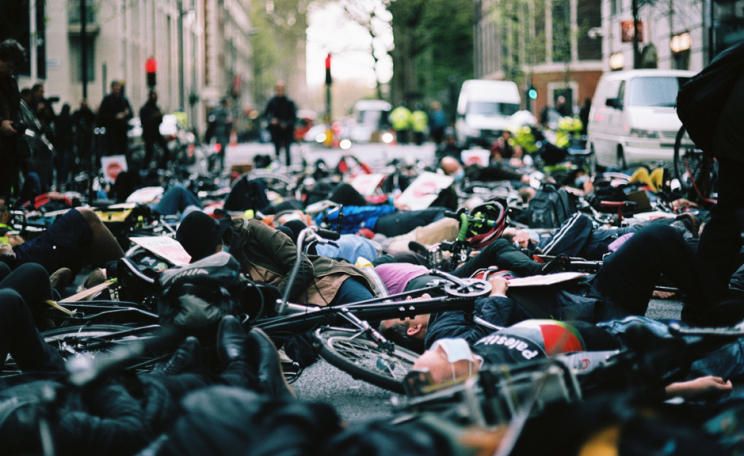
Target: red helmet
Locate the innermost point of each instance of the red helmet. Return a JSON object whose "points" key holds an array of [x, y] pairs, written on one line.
{"points": [[493, 214]]}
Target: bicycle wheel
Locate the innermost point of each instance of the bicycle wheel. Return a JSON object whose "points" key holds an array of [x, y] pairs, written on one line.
{"points": [[364, 359], [90, 340], [695, 171]]}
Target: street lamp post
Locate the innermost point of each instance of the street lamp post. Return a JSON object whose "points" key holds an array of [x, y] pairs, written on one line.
{"points": [[84, 48]]}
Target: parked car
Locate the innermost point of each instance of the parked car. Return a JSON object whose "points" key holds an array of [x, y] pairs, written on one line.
{"points": [[483, 111], [632, 119]]}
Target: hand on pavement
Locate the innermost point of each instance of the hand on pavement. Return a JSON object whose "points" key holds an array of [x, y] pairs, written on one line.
{"points": [[700, 388]]}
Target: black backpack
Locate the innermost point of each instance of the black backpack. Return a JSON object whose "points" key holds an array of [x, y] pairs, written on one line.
{"points": [[201, 293], [550, 207], [247, 194], [701, 100]]}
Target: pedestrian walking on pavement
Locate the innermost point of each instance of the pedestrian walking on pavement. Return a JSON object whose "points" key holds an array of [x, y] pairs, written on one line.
{"points": [[12, 57], [221, 123], [65, 140], [151, 118], [114, 115], [437, 123], [281, 114], [401, 120], [419, 121], [83, 119]]}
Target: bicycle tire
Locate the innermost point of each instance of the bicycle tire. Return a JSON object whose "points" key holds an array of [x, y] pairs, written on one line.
{"points": [[363, 359], [69, 335]]}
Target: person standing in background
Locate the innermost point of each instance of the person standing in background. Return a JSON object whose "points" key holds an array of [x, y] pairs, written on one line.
{"points": [[151, 118], [281, 113], [221, 123], [401, 120], [114, 115], [12, 57], [419, 121], [437, 123], [65, 141]]}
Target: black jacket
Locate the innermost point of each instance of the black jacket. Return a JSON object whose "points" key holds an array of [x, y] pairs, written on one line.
{"points": [[151, 118], [111, 106], [574, 301], [283, 109]]}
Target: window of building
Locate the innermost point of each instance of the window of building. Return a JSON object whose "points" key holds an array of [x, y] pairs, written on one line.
{"points": [[539, 41], [73, 12], [589, 15], [681, 60], [562, 35], [76, 59]]}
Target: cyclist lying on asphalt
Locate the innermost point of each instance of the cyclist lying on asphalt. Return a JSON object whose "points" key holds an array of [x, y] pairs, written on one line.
{"points": [[622, 287], [122, 414], [267, 255], [75, 237]]}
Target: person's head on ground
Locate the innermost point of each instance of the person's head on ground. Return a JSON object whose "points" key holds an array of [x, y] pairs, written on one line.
{"points": [[409, 332], [280, 89], [450, 166], [12, 57], [116, 88], [201, 235], [526, 193], [449, 360]]}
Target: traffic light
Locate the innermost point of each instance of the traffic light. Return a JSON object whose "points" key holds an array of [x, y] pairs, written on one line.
{"points": [[328, 79], [532, 93], [151, 67]]}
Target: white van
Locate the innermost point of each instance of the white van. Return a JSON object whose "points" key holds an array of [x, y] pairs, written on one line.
{"points": [[483, 111], [633, 118], [370, 119]]}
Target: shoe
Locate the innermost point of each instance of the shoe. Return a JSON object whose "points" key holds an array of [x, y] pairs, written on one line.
{"points": [[231, 341], [692, 223], [560, 263], [185, 359], [96, 277], [416, 247], [268, 366], [61, 278]]}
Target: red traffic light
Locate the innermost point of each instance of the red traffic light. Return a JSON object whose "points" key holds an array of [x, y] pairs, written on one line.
{"points": [[151, 65], [328, 62]]}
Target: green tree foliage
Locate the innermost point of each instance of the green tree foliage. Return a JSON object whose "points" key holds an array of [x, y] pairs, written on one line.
{"points": [[433, 50]]}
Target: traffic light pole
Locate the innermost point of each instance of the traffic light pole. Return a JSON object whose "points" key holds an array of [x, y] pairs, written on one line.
{"points": [[328, 81]]}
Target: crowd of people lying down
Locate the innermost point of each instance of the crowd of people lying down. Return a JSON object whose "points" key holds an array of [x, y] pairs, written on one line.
{"points": [[243, 402]]}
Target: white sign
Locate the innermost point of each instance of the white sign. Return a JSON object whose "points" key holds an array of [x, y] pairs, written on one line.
{"points": [[424, 190], [548, 279], [164, 247], [366, 184], [146, 195], [112, 166], [478, 157]]}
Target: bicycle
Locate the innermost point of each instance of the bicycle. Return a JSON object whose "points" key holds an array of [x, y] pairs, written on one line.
{"points": [[696, 171]]}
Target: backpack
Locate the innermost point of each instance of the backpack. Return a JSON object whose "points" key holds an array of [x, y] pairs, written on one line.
{"points": [[550, 207], [201, 293], [247, 194], [701, 100]]}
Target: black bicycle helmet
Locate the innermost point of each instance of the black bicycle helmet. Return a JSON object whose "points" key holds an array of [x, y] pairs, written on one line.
{"points": [[480, 234]]}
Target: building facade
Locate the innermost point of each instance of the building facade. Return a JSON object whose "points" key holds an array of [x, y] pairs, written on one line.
{"points": [[202, 49], [540, 44]]}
